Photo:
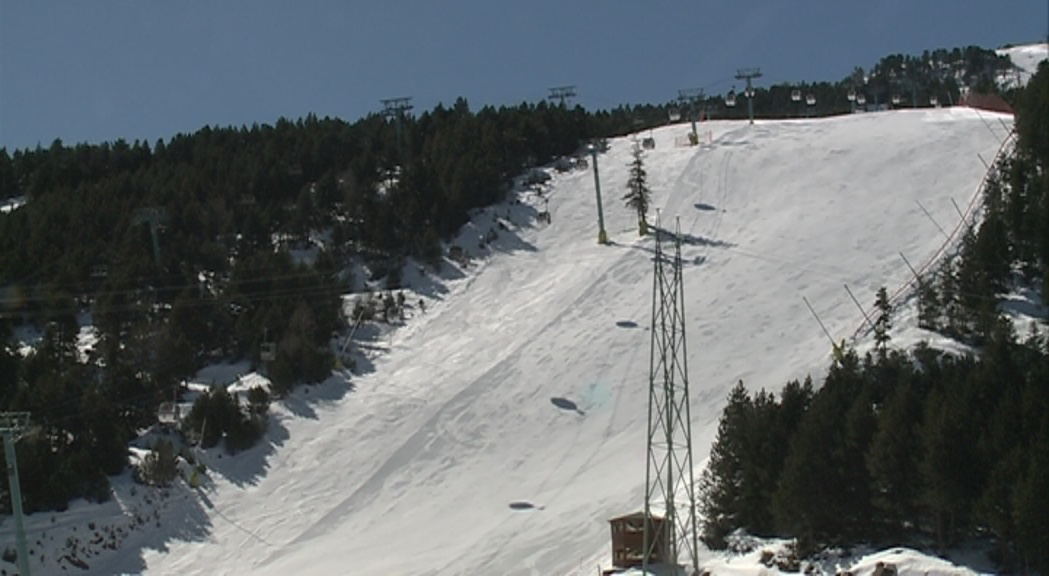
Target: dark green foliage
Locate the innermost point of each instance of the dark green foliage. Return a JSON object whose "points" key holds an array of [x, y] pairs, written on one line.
{"points": [[721, 483], [160, 466], [929, 309], [892, 448], [882, 320], [737, 487], [638, 194], [258, 401], [217, 415], [892, 460]]}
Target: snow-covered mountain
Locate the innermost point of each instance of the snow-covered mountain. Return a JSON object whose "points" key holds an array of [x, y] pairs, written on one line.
{"points": [[1026, 58], [498, 431]]}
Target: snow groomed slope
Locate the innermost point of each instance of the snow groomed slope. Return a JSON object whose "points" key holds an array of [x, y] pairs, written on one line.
{"points": [[501, 429]]}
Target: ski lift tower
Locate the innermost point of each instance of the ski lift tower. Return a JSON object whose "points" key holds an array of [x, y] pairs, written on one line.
{"points": [[12, 426], [396, 108], [602, 236], [561, 94], [749, 74], [154, 216], [668, 474], [691, 96]]}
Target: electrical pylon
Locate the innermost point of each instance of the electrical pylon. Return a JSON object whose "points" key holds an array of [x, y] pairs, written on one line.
{"points": [[748, 74], [669, 481], [561, 94], [12, 426]]}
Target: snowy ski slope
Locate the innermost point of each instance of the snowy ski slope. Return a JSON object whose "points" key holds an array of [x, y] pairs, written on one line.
{"points": [[460, 452]]}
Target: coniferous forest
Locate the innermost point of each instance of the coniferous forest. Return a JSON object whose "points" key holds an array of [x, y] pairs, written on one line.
{"points": [[181, 253], [916, 446]]}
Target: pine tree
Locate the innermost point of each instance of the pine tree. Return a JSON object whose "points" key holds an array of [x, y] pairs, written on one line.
{"points": [[883, 321], [721, 490], [928, 305], [638, 194], [892, 461]]}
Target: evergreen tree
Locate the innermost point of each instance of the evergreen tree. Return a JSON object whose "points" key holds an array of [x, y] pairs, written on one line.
{"points": [[638, 194], [892, 461], [928, 305], [721, 491], [882, 321]]}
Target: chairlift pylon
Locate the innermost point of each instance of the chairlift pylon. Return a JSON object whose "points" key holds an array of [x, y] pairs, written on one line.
{"points": [[268, 348]]}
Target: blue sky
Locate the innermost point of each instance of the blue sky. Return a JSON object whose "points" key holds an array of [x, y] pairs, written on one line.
{"points": [[101, 70]]}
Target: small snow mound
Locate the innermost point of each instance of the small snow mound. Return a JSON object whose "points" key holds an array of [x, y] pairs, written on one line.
{"points": [[906, 561]]}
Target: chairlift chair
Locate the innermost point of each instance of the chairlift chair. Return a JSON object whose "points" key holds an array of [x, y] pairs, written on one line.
{"points": [[730, 99], [795, 95], [861, 99], [933, 100], [674, 114], [851, 95], [167, 413], [810, 99], [895, 99]]}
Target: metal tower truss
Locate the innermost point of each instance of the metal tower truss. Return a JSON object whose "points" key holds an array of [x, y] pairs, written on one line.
{"points": [[12, 426], [669, 481]]}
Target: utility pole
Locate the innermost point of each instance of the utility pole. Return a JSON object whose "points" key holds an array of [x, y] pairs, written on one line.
{"points": [[691, 96], [602, 237], [748, 74], [154, 216], [669, 470], [12, 426], [395, 108], [561, 94]]}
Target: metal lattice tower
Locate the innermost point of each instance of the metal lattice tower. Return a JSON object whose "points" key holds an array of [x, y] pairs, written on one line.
{"points": [[690, 96], [669, 481], [561, 94], [748, 74], [12, 426], [395, 108]]}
